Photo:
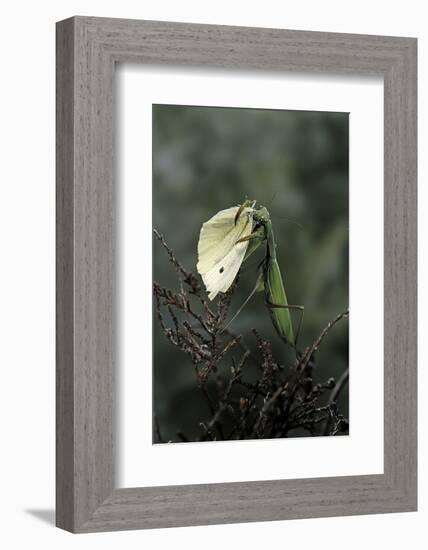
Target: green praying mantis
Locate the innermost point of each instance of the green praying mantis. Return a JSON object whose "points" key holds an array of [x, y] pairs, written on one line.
{"points": [[226, 241]]}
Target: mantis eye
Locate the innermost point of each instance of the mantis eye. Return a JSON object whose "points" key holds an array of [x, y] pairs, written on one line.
{"points": [[221, 269]]}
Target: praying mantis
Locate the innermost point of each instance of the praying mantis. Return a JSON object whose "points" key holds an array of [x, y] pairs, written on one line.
{"points": [[226, 241]]}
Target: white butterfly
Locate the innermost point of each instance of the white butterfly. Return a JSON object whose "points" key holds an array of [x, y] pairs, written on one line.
{"points": [[219, 254]]}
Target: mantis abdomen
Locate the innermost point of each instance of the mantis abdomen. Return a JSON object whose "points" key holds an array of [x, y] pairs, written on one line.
{"points": [[276, 300]]}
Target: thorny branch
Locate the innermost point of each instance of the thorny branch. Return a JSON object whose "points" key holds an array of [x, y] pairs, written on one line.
{"points": [[281, 402]]}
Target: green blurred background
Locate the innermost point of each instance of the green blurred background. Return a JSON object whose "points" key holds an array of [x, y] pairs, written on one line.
{"points": [[295, 163]]}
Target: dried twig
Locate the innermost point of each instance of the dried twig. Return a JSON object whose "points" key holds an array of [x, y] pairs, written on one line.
{"points": [[334, 396], [309, 352], [280, 400]]}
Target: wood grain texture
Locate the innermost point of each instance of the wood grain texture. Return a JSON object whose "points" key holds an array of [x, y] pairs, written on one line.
{"points": [[87, 50], [64, 277]]}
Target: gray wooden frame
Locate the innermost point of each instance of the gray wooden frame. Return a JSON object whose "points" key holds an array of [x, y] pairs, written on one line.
{"points": [[87, 50]]}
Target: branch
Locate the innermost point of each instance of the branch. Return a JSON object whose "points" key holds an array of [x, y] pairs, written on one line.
{"points": [[335, 395], [189, 278], [272, 400], [303, 362]]}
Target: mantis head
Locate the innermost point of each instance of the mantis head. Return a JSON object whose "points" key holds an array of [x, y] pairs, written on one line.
{"points": [[262, 216]]}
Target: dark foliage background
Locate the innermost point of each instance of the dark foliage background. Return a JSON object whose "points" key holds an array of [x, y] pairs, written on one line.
{"points": [[295, 163]]}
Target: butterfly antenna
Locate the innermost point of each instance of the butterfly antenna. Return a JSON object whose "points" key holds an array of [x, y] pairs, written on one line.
{"points": [[275, 193], [288, 220]]}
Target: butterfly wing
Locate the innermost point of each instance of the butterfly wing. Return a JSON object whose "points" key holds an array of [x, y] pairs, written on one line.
{"points": [[219, 257]]}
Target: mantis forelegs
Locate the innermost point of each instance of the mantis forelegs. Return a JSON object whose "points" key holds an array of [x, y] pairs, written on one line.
{"points": [[255, 289], [249, 237], [247, 203]]}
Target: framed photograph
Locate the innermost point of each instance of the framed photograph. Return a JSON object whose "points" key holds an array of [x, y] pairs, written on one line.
{"points": [[236, 274]]}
